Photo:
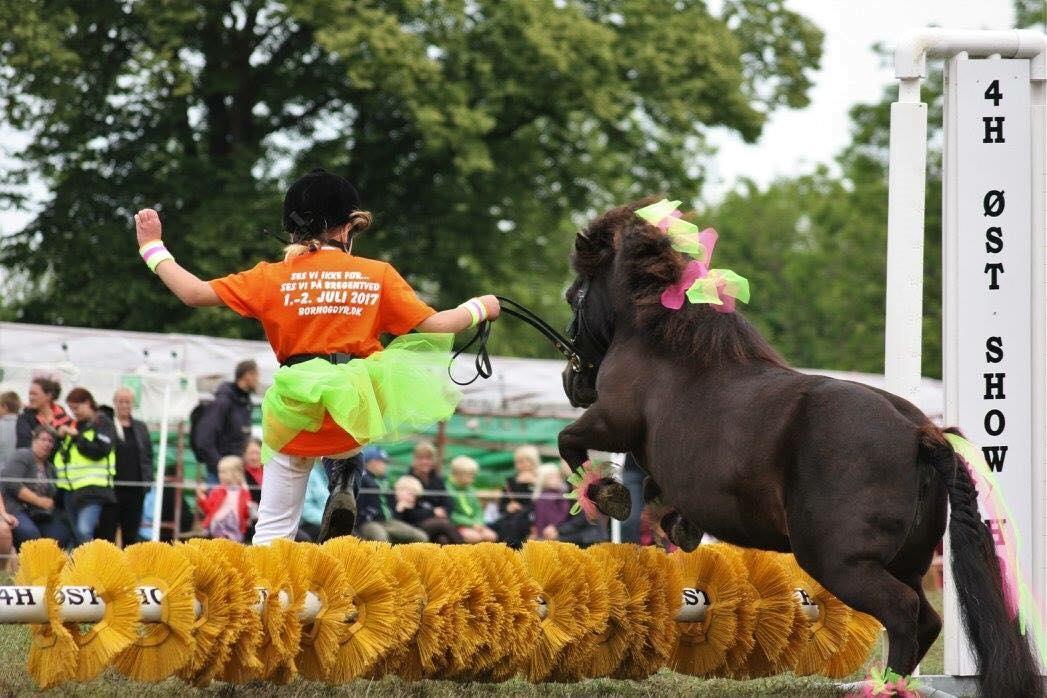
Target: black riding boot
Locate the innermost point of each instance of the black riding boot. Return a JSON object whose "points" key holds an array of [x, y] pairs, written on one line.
{"points": [[343, 476]]}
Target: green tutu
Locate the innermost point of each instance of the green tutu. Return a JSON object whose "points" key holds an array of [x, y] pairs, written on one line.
{"points": [[391, 394]]}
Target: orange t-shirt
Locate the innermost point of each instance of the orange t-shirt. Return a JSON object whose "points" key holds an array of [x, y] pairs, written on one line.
{"points": [[321, 303], [324, 302]]}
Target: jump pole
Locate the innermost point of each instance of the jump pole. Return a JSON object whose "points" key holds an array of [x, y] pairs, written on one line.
{"points": [[79, 604], [994, 222]]}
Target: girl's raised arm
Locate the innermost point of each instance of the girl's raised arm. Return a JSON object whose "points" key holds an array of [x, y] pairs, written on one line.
{"points": [[190, 289], [463, 317]]}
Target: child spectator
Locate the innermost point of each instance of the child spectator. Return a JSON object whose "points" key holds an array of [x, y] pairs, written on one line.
{"points": [[226, 508], [466, 512], [517, 502], [413, 509], [550, 507]]}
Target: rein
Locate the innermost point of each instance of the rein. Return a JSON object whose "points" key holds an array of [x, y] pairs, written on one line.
{"points": [[565, 346]]}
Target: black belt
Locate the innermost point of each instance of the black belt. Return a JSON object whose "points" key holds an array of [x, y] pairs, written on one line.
{"points": [[335, 358]]}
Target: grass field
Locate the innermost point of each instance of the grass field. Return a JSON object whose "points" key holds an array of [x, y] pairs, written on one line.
{"points": [[14, 681]]}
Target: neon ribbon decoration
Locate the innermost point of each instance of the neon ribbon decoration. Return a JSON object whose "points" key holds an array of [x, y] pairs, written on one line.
{"points": [[719, 288], [683, 235], [699, 284]]}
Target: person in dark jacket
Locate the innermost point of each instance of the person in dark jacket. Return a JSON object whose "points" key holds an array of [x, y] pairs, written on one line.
{"points": [[424, 468], [516, 507], [29, 493], [134, 463], [43, 410], [375, 504], [85, 464], [225, 425]]}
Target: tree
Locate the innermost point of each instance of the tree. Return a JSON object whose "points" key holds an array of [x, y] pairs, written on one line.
{"points": [[480, 133]]}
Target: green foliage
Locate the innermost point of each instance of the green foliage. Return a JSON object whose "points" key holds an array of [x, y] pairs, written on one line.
{"points": [[1031, 14], [480, 133]]}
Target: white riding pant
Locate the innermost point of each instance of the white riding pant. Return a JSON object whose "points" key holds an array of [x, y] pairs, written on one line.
{"points": [[284, 479]]}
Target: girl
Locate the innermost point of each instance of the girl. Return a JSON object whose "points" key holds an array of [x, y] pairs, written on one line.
{"points": [[323, 310], [550, 507], [413, 509], [226, 507], [516, 503]]}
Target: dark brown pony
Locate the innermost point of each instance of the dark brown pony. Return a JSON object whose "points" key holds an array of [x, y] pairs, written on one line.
{"points": [[852, 480]]}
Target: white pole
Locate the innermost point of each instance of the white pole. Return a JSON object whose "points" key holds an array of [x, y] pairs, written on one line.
{"points": [[1038, 75], [619, 466], [80, 604], [905, 211], [161, 464]]}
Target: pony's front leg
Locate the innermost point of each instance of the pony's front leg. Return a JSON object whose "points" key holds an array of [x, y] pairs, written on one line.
{"points": [[592, 430]]}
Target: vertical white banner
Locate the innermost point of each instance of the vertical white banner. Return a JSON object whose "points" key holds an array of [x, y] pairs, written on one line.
{"points": [[988, 291]]}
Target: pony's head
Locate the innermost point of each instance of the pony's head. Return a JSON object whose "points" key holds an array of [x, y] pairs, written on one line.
{"points": [[622, 265]]}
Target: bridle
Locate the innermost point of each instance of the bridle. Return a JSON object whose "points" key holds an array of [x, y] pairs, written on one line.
{"points": [[579, 324], [576, 359]]}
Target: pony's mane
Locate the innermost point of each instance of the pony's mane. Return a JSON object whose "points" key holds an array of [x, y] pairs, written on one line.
{"points": [[644, 263]]}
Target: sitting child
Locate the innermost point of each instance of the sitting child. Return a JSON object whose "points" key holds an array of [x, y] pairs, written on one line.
{"points": [[415, 511], [226, 507], [550, 507], [467, 513]]}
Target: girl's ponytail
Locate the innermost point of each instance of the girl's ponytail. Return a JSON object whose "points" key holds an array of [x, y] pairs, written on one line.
{"points": [[359, 221]]}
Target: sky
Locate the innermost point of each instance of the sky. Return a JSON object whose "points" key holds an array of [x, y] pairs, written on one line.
{"points": [[792, 142]]}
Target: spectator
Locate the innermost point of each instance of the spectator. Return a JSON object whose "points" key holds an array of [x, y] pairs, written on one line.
{"points": [[550, 507], [85, 464], [10, 406], [225, 425], [29, 491], [375, 504], [466, 512], [253, 467], [423, 467], [226, 507], [316, 494], [517, 503], [413, 509], [134, 463], [43, 410]]}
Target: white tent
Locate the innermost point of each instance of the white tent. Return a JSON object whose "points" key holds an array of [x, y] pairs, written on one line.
{"points": [[521, 387]]}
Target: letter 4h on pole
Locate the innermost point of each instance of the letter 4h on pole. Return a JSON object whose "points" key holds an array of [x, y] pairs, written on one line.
{"points": [[994, 257]]}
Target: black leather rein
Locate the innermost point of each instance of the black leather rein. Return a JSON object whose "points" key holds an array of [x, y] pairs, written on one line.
{"points": [[565, 346]]}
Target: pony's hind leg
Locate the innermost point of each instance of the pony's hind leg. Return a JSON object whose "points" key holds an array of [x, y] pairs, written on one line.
{"points": [[868, 587]]}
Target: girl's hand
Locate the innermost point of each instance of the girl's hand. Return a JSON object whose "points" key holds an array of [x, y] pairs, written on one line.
{"points": [[11, 520], [147, 226], [494, 308]]}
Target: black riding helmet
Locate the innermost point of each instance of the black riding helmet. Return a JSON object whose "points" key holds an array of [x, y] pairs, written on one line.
{"points": [[317, 202]]}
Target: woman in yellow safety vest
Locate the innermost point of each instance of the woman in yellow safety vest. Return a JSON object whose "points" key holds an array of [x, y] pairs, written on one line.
{"points": [[85, 464]]}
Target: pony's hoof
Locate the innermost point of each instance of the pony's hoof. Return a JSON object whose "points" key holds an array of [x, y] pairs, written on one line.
{"points": [[680, 532], [611, 498]]}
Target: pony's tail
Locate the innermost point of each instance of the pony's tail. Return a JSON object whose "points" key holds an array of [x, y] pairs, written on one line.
{"points": [[1005, 661]]}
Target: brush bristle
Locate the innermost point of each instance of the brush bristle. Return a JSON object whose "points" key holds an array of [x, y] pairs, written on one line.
{"points": [[775, 606], [373, 596], [745, 640], [101, 565], [442, 616], [703, 646], [473, 650], [244, 664], [213, 587], [829, 632], [558, 568], [323, 637], [161, 649], [862, 633], [52, 653]]}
